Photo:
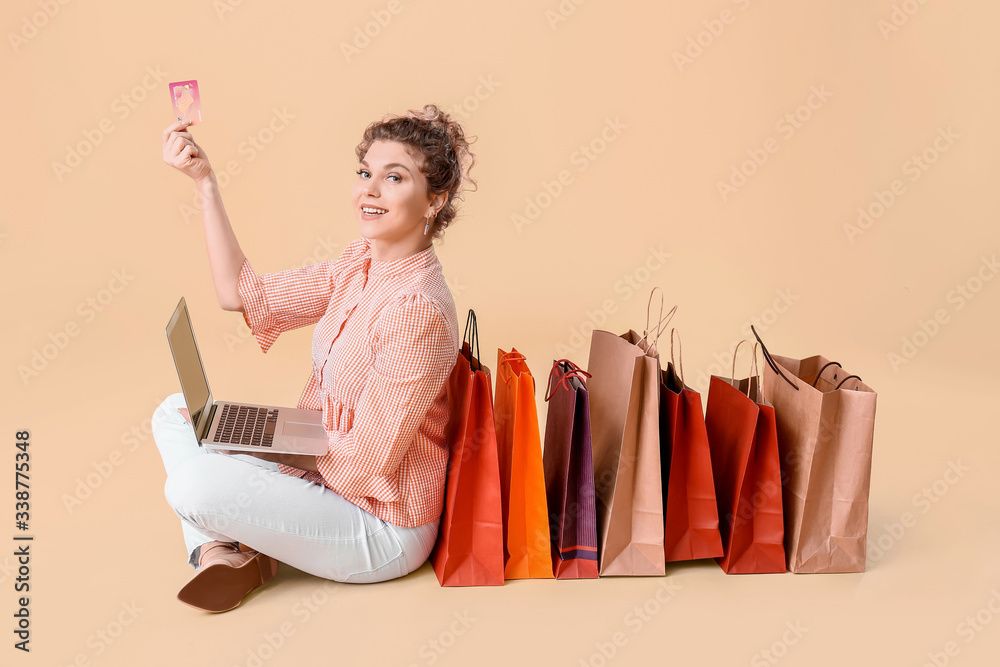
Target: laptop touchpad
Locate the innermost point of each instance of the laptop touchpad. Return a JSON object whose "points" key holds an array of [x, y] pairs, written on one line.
{"points": [[302, 430]]}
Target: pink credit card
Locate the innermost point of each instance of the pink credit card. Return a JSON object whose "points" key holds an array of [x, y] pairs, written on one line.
{"points": [[186, 100]]}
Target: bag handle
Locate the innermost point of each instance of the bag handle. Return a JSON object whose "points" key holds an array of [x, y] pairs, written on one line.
{"points": [[664, 320], [512, 355], [848, 378], [835, 363], [759, 374], [825, 366], [771, 362], [472, 326], [754, 373], [732, 373], [680, 354], [574, 371]]}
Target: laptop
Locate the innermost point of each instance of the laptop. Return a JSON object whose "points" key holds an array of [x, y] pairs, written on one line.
{"points": [[237, 426]]}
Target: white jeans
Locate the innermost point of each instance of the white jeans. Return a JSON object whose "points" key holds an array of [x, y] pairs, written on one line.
{"points": [[238, 497]]}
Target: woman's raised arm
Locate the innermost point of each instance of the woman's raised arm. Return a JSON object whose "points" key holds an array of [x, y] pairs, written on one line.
{"points": [[224, 253]]}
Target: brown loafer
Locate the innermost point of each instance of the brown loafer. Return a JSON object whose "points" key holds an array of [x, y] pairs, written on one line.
{"points": [[224, 579]]}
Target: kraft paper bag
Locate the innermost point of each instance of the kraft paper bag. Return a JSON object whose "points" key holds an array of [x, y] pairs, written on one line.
{"points": [[826, 426], [625, 434]]}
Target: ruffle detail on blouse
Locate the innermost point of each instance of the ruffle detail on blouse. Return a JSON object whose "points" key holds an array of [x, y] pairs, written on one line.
{"points": [[337, 417]]}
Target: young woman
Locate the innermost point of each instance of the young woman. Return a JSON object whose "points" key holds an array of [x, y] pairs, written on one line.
{"points": [[385, 342]]}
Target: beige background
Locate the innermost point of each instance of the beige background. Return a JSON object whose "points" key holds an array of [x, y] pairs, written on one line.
{"points": [[534, 91]]}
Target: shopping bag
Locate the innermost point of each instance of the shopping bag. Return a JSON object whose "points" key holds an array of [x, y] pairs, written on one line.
{"points": [[527, 551], [569, 473], [742, 436], [625, 425], [469, 546], [691, 514], [826, 426]]}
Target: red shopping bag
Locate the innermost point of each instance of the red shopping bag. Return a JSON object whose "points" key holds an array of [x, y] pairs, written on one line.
{"points": [[743, 437], [691, 514], [569, 474], [469, 546]]}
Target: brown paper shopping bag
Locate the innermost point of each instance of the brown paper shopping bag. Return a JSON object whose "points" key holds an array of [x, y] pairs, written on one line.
{"points": [[826, 424], [624, 420]]}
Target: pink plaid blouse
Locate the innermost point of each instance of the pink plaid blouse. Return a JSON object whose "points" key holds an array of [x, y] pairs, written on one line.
{"points": [[384, 346]]}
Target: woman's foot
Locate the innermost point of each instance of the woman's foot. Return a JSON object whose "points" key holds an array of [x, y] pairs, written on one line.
{"points": [[225, 575]]}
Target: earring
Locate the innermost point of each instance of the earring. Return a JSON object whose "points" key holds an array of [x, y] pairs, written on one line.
{"points": [[427, 226]]}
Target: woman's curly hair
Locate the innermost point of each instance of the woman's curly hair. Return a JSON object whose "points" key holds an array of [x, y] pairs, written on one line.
{"points": [[441, 143]]}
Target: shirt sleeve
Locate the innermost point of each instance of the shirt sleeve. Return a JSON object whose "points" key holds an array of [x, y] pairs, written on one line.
{"points": [[414, 357], [286, 300]]}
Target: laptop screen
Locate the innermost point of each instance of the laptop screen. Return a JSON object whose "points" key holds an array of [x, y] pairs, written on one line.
{"points": [[190, 370]]}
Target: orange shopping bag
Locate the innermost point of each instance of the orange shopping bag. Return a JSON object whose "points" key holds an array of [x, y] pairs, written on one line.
{"points": [[527, 551]]}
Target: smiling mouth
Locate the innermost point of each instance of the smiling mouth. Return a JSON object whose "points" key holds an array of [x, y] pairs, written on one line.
{"points": [[373, 210]]}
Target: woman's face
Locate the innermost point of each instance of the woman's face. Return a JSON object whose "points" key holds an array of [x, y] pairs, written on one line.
{"points": [[390, 180]]}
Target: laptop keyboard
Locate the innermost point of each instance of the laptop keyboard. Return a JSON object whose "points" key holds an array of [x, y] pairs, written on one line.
{"points": [[246, 425]]}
